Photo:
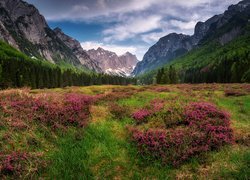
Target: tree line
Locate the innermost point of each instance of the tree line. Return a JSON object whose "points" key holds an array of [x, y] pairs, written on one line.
{"points": [[18, 72], [166, 75]]}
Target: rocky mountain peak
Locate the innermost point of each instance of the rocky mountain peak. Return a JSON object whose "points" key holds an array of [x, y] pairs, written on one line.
{"points": [[111, 63]]}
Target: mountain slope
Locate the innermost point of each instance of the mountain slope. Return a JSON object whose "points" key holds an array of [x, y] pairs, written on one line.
{"points": [[22, 26], [223, 28], [167, 48], [113, 64], [212, 62]]}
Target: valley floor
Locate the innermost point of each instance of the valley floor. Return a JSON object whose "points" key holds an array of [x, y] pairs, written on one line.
{"points": [[39, 137]]}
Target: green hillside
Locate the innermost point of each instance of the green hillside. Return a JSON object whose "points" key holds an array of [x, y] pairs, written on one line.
{"points": [[211, 62]]}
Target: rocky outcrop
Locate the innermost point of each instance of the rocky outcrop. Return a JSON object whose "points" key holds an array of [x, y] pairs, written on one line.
{"points": [[222, 28], [113, 64], [22, 26]]}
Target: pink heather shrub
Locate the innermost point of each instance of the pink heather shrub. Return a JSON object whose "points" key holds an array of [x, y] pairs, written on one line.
{"points": [[173, 114], [170, 147], [141, 115], [157, 105], [13, 164], [18, 165], [54, 110], [204, 128], [208, 118], [73, 110]]}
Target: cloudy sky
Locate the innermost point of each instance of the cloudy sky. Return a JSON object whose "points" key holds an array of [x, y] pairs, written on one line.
{"points": [[127, 25]]}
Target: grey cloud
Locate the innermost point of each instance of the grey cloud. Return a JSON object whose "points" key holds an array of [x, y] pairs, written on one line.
{"points": [[173, 15], [55, 10]]}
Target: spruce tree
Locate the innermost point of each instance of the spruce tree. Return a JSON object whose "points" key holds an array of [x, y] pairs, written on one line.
{"points": [[172, 75]]}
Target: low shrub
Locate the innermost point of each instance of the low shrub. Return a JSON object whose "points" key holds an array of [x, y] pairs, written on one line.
{"points": [[170, 113], [157, 105], [19, 165], [141, 115], [73, 110], [52, 109], [13, 164], [171, 147], [204, 127], [208, 118]]}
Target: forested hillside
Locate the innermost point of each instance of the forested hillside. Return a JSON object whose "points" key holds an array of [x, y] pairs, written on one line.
{"points": [[210, 63], [18, 70]]}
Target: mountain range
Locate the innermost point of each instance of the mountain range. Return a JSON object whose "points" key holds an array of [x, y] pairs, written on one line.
{"points": [[224, 28], [111, 63], [23, 27]]}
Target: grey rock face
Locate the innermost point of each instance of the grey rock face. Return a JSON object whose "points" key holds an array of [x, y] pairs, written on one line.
{"points": [[167, 48], [113, 64], [223, 28], [202, 28]]}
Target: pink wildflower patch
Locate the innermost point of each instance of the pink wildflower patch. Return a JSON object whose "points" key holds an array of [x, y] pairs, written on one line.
{"points": [[12, 163], [141, 115], [157, 105], [205, 128], [52, 109]]}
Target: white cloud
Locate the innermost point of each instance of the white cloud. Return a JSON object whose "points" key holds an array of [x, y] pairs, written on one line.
{"points": [[84, 9], [186, 27], [183, 25], [153, 37], [130, 27]]}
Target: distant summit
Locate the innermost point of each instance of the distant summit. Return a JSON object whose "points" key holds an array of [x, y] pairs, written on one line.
{"points": [[113, 64]]}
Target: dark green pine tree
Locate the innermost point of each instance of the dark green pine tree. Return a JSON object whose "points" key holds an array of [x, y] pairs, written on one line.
{"points": [[172, 75], [165, 77], [159, 75]]}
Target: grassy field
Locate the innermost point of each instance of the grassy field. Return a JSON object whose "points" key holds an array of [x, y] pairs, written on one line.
{"points": [[85, 132]]}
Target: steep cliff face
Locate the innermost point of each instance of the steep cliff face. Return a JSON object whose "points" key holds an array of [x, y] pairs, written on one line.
{"points": [[111, 63], [22, 26], [222, 28], [167, 48], [78, 51]]}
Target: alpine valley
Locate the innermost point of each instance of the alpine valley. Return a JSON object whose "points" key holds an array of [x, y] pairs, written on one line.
{"points": [[70, 108], [24, 28]]}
